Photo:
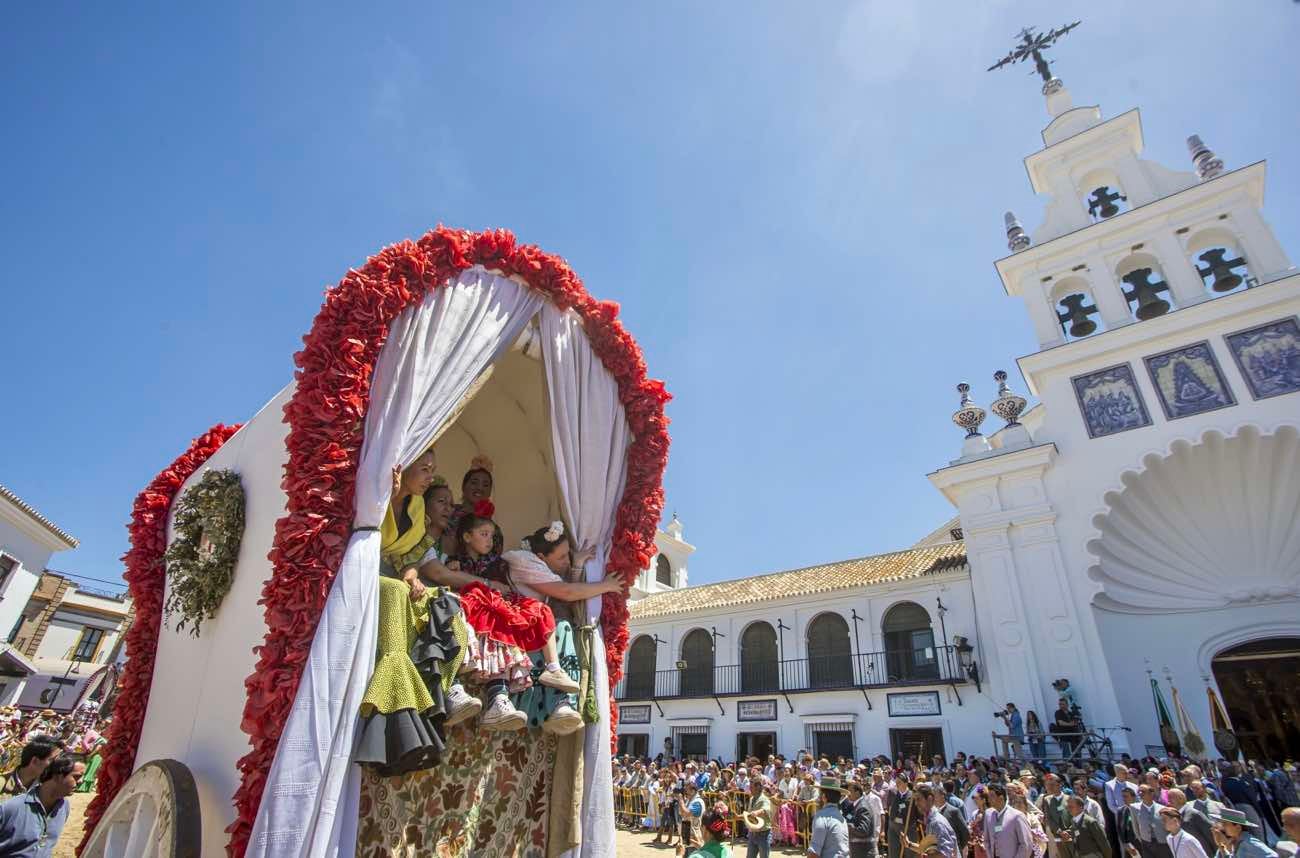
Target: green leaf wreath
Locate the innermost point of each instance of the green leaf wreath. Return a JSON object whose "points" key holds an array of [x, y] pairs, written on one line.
{"points": [[208, 526]]}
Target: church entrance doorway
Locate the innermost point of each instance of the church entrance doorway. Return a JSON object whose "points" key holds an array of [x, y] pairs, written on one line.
{"points": [[921, 744], [1260, 683], [761, 745]]}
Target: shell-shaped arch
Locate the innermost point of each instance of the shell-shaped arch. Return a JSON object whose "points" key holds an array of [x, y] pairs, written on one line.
{"points": [[1208, 525]]}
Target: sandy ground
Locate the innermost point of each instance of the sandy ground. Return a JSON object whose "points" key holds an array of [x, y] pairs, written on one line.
{"points": [[71, 837], [634, 845], [630, 844]]}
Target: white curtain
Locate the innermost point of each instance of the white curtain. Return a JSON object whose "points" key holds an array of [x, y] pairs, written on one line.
{"points": [[434, 352], [591, 437]]}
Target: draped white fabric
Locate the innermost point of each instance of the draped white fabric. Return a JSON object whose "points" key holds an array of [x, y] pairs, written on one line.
{"points": [[591, 438], [434, 352]]}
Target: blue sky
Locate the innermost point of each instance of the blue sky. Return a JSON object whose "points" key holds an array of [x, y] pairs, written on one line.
{"points": [[796, 204]]}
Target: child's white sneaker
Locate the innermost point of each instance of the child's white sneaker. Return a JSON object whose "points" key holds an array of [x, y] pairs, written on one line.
{"points": [[461, 706], [559, 680], [501, 714], [563, 721]]}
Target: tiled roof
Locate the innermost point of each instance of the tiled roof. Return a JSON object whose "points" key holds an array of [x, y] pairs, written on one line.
{"points": [[68, 539], [880, 569]]}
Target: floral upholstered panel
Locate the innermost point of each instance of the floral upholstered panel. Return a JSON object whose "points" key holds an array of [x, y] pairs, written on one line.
{"points": [[488, 797]]}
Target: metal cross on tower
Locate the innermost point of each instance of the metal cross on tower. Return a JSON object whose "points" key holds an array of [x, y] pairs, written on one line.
{"points": [[1031, 46]]}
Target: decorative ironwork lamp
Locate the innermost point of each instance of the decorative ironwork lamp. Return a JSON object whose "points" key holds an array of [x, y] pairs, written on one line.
{"points": [[966, 657]]}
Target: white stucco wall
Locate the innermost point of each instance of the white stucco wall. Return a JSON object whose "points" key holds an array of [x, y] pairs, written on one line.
{"points": [[32, 555], [966, 725], [197, 697]]}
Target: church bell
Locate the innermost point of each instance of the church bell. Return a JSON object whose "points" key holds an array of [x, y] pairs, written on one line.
{"points": [[1146, 292], [1076, 315], [1225, 279]]}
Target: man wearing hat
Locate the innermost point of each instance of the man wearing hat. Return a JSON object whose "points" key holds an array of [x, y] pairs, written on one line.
{"points": [[828, 836], [1233, 838], [864, 832]]}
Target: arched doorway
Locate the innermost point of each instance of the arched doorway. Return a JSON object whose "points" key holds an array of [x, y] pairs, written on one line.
{"points": [[1260, 683], [758, 658], [830, 660], [697, 654], [641, 669], [909, 643]]}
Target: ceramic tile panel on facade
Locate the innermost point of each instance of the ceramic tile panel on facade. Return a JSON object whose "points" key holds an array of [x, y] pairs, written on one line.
{"points": [[1268, 357], [1188, 381], [1110, 401]]}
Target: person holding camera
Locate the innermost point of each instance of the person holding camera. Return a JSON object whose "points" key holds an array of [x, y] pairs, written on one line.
{"points": [[1067, 727], [1015, 729]]}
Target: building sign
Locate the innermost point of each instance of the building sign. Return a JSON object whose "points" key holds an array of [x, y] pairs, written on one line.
{"points": [[634, 714], [756, 710], [913, 703]]}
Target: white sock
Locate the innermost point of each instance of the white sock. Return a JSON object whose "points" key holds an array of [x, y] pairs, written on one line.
{"points": [[552, 665]]}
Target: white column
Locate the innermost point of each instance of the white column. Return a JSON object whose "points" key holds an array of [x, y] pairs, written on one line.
{"points": [[1264, 255], [1107, 292], [1185, 283], [1043, 315]]}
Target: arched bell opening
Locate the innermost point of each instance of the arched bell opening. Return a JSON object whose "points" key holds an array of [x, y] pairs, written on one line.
{"points": [[1145, 287], [1103, 194], [1217, 256], [664, 571], [1076, 309], [1260, 684]]}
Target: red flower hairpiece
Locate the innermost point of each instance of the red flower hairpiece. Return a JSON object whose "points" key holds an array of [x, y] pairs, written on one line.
{"points": [[484, 508]]}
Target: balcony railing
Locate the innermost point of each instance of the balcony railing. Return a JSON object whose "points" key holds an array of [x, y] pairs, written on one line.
{"points": [[885, 669]]}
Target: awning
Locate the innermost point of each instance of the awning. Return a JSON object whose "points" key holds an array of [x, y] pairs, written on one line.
{"points": [[14, 663]]}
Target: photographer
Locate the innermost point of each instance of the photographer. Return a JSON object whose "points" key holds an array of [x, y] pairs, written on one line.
{"points": [[1067, 727], [1015, 729]]}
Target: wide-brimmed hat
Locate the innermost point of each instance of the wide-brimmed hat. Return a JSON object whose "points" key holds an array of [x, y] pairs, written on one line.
{"points": [[831, 785], [1236, 817], [48, 713]]}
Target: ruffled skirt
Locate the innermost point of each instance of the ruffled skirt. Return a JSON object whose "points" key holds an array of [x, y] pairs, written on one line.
{"points": [[404, 707], [515, 620]]}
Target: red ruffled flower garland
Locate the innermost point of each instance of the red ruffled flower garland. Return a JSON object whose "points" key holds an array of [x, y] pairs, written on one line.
{"points": [[146, 579], [326, 417]]}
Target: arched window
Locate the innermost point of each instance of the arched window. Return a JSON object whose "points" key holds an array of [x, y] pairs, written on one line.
{"points": [[664, 571], [697, 652], [1076, 309], [909, 644], [830, 660], [1145, 286], [758, 658], [641, 669], [1103, 194], [1216, 254]]}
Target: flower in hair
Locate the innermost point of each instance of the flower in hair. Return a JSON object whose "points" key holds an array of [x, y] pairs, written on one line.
{"points": [[484, 509], [439, 482], [480, 463], [555, 531]]}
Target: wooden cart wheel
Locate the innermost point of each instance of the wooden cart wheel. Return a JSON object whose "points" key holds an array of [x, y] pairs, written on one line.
{"points": [[155, 815]]}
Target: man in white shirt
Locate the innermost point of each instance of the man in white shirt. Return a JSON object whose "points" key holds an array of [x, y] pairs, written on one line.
{"points": [[1114, 786]]}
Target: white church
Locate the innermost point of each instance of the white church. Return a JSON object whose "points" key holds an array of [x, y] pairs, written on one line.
{"points": [[1141, 521]]}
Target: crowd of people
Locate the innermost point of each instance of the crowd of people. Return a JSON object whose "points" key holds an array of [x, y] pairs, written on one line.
{"points": [[45, 757], [968, 807]]}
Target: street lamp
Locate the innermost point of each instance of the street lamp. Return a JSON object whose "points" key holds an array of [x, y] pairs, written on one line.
{"points": [[966, 656]]}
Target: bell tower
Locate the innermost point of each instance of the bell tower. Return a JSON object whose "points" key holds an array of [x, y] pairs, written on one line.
{"points": [[1124, 239], [1168, 319]]}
